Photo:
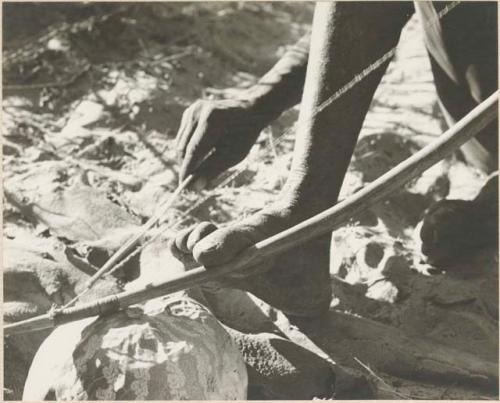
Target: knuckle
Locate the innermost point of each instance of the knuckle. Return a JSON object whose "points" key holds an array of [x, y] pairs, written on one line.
{"points": [[204, 255]]}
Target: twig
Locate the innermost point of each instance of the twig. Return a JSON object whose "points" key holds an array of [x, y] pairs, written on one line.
{"points": [[271, 144], [388, 387], [66, 83], [177, 56]]}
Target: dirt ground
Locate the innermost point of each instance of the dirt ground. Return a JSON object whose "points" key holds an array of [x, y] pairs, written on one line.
{"points": [[92, 98]]}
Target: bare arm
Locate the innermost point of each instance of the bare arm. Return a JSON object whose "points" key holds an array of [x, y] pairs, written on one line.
{"points": [[346, 38], [282, 86]]}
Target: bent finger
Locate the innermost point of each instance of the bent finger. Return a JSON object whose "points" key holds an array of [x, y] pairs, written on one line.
{"points": [[182, 237], [186, 130], [200, 144], [200, 232], [185, 258], [220, 247]]}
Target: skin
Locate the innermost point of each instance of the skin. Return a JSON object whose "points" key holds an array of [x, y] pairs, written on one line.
{"points": [[346, 37]]}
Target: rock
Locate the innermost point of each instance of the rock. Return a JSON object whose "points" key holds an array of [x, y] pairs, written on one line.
{"points": [[172, 349]]}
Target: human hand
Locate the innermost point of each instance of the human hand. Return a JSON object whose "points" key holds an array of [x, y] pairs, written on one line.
{"points": [[206, 244], [216, 135]]}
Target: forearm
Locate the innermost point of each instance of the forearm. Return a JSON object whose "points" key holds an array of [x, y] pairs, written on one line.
{"points": [[346, 38], [281, 88]]}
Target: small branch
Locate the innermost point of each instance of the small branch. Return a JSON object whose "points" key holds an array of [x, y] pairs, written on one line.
{"points": [[66, 83], [388, 387]]}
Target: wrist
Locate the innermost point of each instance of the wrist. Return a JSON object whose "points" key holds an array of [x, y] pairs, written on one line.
{"points": [[304, 196], [269, 98]]}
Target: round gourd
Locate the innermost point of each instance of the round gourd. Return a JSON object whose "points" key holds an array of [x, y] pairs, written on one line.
{"points": [[171, 349]]}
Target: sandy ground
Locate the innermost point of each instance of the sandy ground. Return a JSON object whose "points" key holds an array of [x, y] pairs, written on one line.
{"points": [[91, 107]]}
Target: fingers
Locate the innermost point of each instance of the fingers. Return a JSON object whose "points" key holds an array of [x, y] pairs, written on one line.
{"points": [[187, 238], [179, 245], [200, 232], [199, 133], [182, 129], [196, 149], [186, 129], [220, 246], [210, 246], [185, 258], [214, 129], [181, 238]]}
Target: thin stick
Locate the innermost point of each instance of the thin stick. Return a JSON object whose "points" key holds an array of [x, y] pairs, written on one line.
{"points": [[320, 224]]}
